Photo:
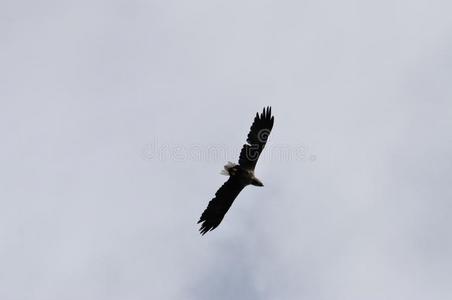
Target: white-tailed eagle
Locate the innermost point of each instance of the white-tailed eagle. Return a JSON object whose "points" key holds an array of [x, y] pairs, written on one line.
{"points": [[241, 174]]}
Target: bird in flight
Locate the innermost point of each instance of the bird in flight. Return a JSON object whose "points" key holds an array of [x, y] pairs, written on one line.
{"points": [[241, 174]]}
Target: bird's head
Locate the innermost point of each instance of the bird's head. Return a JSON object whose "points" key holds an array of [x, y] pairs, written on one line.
{"points": [[256, 182]]}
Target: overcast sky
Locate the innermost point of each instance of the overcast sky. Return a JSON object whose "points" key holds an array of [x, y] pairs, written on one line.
{"points": [[116, 118]]}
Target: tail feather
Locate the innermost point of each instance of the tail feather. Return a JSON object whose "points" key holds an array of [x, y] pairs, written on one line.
{"points": [[227, 167]]}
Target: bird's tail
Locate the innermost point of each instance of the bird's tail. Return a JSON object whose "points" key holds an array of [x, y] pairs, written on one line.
{"points": [[227, 167]]}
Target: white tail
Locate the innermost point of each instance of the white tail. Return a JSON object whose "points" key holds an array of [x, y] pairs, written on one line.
{"points": [[227, 167]]}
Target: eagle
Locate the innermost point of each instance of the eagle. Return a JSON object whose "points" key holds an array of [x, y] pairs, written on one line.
{"points": [[241, 174]]}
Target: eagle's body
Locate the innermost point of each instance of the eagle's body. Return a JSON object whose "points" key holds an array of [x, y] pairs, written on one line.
{"points": [[241, 174], [244, 176]]}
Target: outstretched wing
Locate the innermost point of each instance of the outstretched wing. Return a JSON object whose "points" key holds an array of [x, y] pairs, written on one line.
{"points": [[219, 205], [257, 138]]}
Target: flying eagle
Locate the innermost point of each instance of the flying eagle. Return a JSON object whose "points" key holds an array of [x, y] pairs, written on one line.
{"points": [[240, 175]]}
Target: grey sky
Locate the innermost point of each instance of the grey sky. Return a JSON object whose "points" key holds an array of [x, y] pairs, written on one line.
{"points": [[93, 92]]}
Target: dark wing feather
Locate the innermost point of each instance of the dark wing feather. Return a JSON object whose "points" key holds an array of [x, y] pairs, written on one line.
{"points": [[219, 205], [257, 138]]}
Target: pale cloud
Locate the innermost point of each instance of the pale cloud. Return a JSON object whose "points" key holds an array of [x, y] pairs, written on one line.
{"points": [[361, 96]]}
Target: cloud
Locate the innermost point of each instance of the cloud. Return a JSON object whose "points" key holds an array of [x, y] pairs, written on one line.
{"points": [[362, 88]]}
